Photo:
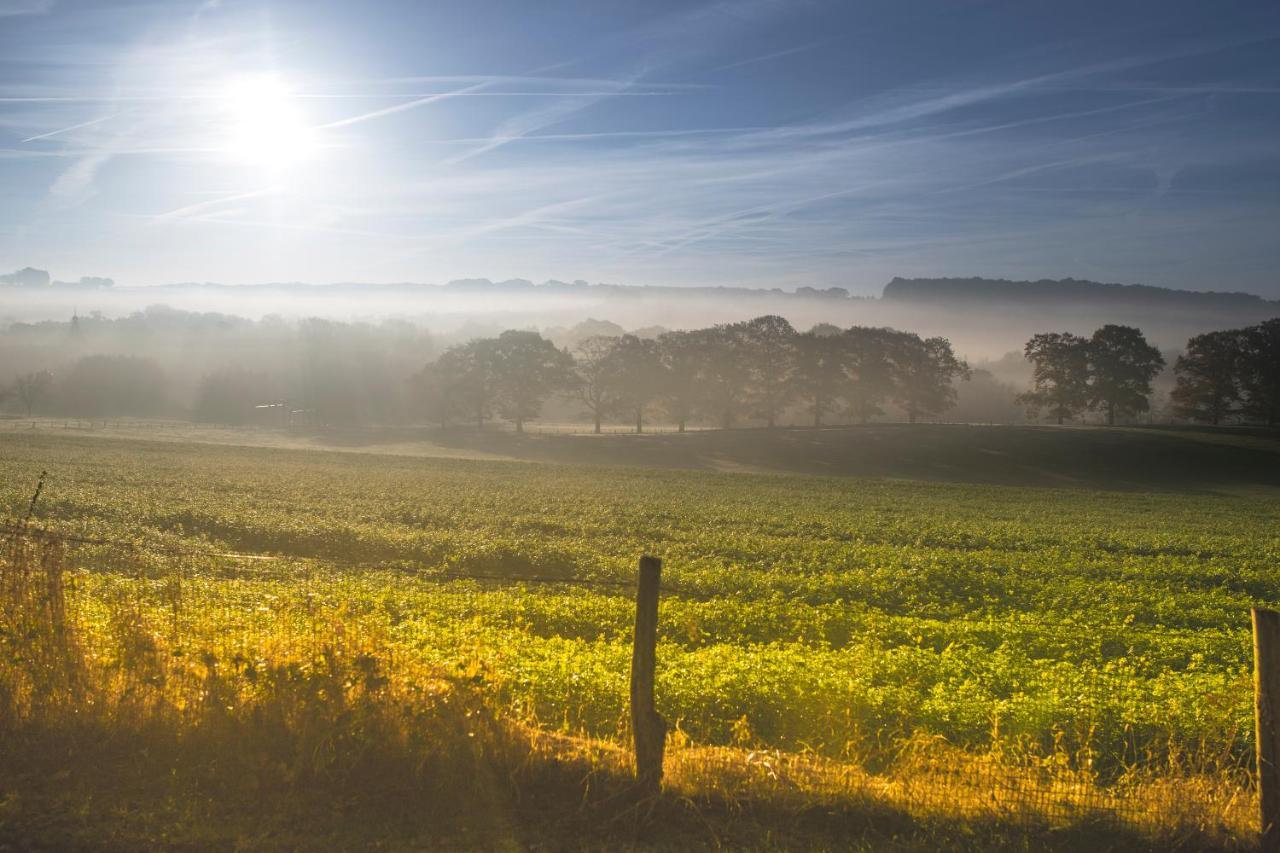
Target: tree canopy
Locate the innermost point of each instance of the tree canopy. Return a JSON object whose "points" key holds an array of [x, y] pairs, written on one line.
{"points": [[1060, 375], [1121, 367]]}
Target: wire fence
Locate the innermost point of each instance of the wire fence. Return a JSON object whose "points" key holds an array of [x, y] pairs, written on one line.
{"points": [[1083, 744]]}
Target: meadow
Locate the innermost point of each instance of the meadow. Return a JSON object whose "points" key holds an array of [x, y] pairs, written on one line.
{"points": [[874, 628]]}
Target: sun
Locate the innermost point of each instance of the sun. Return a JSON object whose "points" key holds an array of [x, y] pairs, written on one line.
{"points": [[263, 122]]}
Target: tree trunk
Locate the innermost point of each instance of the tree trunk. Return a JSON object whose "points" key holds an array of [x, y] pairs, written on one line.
{"points": [[519, 424], [769, 420], [680, 426], [1111, 414], [1059, 418], [597, 430], [639, 420]]}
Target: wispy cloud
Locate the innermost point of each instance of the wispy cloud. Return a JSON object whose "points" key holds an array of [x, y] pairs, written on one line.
{"points": [[205, 207], [769, 57], [776, 170], [75, 184], [525, 124], [13, 8]]}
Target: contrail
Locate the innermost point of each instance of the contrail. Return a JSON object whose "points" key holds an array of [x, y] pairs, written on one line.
{"points": [[202, 206], [398, 108], [89, 123]]}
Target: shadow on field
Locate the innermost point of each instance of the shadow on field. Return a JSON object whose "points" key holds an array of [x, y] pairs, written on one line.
{"points": [[101, 791], [1183, 459], [1120, 458]]}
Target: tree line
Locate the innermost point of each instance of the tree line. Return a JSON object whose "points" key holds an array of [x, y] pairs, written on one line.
{"points": [[1221, 374], [219, 369], [758, 368], [1231, 373]]}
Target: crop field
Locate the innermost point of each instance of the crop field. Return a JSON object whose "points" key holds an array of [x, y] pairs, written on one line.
{"points": [[859, 623]]}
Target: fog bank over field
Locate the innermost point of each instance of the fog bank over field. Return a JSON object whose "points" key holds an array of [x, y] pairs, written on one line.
{"points": [[983, 318]]}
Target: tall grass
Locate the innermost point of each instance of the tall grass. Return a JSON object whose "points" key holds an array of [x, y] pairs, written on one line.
{"points": [[157, 725], [301, 722]]}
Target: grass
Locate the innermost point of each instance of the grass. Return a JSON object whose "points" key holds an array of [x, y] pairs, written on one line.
{"points": [[849, 661]]}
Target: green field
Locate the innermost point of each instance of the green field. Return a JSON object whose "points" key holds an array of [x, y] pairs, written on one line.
{"points": [[1102, 631]]}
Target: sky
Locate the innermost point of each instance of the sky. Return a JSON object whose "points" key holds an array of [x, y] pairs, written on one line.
{"points": [[757, 143]]}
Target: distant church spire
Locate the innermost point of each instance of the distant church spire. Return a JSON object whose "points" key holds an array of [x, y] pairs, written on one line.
{"points": [[75, 323]]}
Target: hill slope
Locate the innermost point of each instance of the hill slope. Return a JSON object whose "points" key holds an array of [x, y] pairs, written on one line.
{"points": [[1126, 459]]}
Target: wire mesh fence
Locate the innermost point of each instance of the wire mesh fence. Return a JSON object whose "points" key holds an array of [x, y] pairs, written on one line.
{"points": [[1085, 742]]}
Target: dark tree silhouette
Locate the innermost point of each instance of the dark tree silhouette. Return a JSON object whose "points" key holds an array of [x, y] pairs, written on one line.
{"points": [[1208, 386], [1060, 375], [227, 396], [344, 379], [470, 372], [1121, 367], [767, 346], [102, 385], [437, 392], [871, 371], [596, 377], [924, 370], [724, 376], [1260, 371], [31, 388], [637, 368], [822, 359], [527, 369], [682, 358]]}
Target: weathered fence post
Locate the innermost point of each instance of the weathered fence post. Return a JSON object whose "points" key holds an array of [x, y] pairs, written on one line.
{"points": [[649, 728], [1266, 693]]}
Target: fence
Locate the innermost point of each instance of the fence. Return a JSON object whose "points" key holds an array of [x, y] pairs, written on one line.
{"points": [[161, 426], [228, 607]]}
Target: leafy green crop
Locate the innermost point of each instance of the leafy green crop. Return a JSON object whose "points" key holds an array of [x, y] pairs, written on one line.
{"points": [[799, 612]]}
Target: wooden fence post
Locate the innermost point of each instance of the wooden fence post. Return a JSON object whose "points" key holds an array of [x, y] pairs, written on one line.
{"points": [[1266, 694], [649, 728]]}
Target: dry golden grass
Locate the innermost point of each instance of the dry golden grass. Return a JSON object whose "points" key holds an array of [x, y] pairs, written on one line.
{"points": [[114, 737]]}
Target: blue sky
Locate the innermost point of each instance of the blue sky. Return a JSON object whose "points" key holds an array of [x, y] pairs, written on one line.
{"points": [[758, 143]]}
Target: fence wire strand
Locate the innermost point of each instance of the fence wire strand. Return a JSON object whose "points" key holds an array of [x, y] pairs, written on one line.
{"points": [[205, 603]]}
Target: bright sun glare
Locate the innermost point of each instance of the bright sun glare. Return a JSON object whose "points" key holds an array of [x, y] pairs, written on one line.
{"points": [[264, 125]]}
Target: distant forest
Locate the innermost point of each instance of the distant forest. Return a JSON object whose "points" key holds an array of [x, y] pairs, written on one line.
{"points": [[763, 372], [983, 318]]}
